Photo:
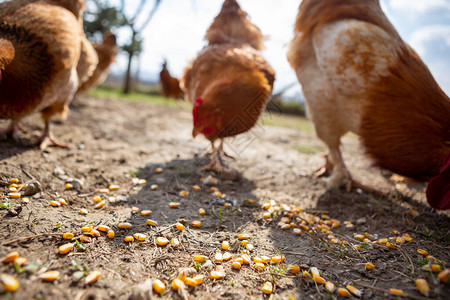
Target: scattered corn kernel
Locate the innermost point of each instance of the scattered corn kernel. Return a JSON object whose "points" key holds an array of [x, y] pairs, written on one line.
{"points": [[21, 261], [10, 257], [68, 186], [423, 286], [146, 213], [213, 189], [315, 271], [266, 259], [128, 238], [382, 241], [177, 284], [257, 259], [239, 260], [25, 200], [66, 248], [243, 236], [196, 188], [49, 276], [103, 228], [86, 229], [175, 242], [103, 191], [111, 234], [124, 225], [319, 279], [190, 281], [154, 187], [444, 276], [434, 268], [14, 180], [179, 226], [266, 205], [413, 213], [55, 203], [83, 211], [183, 193], [306, 275], [174, 204], [201, 212], [236, 265], [159, 286], [227, 256], [370, 266], [396, 292], [267, 215], [100, 204], [9, 283], [198, 279], [225, 245], [196, 224], [85, 238], [246, 259], [294, 269], [113, 187], [390, 246], [250, 247], [139, 236], [354, 290], [297, 231], [267, 288], [62, 201], [92, 277], [343, 292], [330, 287], [244, 243], [407, 237], [159, 170], [161, 241], [218, 257], [359, 237], [97, 199], [152, 222], [217, 274], [277, 259], [422, 252]]}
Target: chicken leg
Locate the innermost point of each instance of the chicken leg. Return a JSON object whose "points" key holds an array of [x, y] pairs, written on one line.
{"points": [[12, 130], [216, 161]]}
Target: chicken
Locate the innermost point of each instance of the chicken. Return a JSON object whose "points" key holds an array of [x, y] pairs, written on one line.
{"points": [[229, 82], [39, 52], [170, 86], [106, 53], [358, 75], [438, 189]]}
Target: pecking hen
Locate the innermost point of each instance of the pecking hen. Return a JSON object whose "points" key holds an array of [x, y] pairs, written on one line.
{"points": [[358, 75], [170, 86], [229, 82]]}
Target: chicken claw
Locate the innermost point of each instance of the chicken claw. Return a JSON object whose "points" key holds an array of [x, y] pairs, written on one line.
{"points": [[48, 139]]}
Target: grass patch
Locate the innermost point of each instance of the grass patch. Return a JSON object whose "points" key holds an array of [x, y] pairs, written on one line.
{"points": [[309, 149], [288, 121]]}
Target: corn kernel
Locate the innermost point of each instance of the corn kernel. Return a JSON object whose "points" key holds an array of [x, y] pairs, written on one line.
{"points": [[343, 292], [124, 225], [390, 246], [175, 242], [183, 193], [174, 204], [243, 236], [319, 279], [146, 213], [139, 236], [97, 199], [306, 275], [152, 222], [244, 243], [227, 256], [444, 276], [407, 237], [103, 228], [179, 226], [370, 266], [266, 259], [315, 271], [49, 276], [66, 248], [9, 283], [196, 188], [246, 259], [218, 257], [10, 257], [250, 247], [83, 211], [277, 259], [85, 238], [201, 212], [423, 286], [236, 265], [354, 290], [396, 232], [285, 226], [196, 224], [111, 234], [113, 187], [190, 281], [266, 205], [178, 284], [359, 237], [159, 286], [260, 266], [297, 231], [422, 252], [86, 229], [55, 203], [330, 287], [103, 191], [154, 187], [128, 238], [25, 200], [217, 274], [434, 268], [213, 189], [413, 213], [382, 241], [21, 261], [68, 186], [62, 201], [135, 210], [267, 288], [396, 292], [239, 260], [198, 279], [92, 277], [304, 227], [225, 245], [14, 180], [159, 170], [99, 205], [162, 241], [267, 215], [294, 269]]}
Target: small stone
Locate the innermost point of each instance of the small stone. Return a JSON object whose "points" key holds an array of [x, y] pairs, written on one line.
{"points": [[32, 188]]}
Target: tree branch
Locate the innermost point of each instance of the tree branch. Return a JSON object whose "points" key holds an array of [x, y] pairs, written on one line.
{"points": [[150, 15]]}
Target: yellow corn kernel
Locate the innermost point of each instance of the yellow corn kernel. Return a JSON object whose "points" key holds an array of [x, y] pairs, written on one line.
{"points": [[68, 186], [306, 275], [390, 246], [201, 212], [68, 235], [178, 284], [285, 226], [434, 268], [196, 224], [97, 199], [267, 215], [343, 292], [135, 210], [382, 241], [218, 257], [174, 204], [154, 187], [315, 271], [244, 243], [92, 277], [236, 265], [139, 236], [359, 237], [14, 180], [66, 248], [159, 286], [266, 259], [225, 245], [175, 242], [198, 279], [86, 229], [407, 237], [354, 290], [423, 286], [243, 236], [99, 205], [83, 211], [257, 259], [159, 170], [267, 288], [9, 283], [294, 269], [239, 260], [396, 232], [25, 200], [200, 258], [146, 213], [111, 234], [370, 266], [330, 287], [162, 241], [396, 292], [399, 240], [179, 226], [183, 193], [55, 203], [196, 188], [128, 238], [10, 257], [103, 191], [226, 204], [319, 279], [213, 189], [113, 187], [21, 261], [277, 259], [62, 201], [444, 276], [190, 281], [49, 276], [152, 222], [124, 225], [413, 213], [217, 274], [334, 241], [246, 259], [422, 252], [266, 205], [103, 228], [249, 247], [85, 238], [297, 231], [227, 256], [432, 258]]}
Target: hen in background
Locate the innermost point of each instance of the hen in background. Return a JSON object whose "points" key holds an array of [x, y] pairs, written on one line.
{"points": [[106, 53], [229, 82], [170, 86], [39, 53], [358, 75]]}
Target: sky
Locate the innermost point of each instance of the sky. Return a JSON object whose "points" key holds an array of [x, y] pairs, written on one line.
{"points": [[177, 34]]}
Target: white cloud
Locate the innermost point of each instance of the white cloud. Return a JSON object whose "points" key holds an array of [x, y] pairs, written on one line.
{"points": [[420, 6], [421, 38]]}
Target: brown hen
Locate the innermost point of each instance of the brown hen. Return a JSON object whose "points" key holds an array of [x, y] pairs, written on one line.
{"points": [[170, 86]]}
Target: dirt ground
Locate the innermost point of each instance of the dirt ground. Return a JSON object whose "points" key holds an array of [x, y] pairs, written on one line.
{"points": [[114, 141]]}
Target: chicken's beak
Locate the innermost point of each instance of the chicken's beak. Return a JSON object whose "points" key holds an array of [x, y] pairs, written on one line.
{"points": [[195, 131]]}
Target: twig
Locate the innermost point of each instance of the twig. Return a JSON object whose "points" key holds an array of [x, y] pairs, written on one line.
{"points": [[408, 259], [386, 291], [30, 237]]}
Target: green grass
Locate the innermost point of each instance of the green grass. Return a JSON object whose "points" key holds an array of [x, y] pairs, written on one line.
{"points": [[305, 149], [288, 121]]}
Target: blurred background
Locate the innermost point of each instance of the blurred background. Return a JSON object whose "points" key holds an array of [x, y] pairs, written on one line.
{"points": [[151, 31]]}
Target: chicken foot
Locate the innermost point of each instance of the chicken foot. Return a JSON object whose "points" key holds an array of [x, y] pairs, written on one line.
{"points": [[216, 161], [326, 169], [221, 151], [48, 139]]}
